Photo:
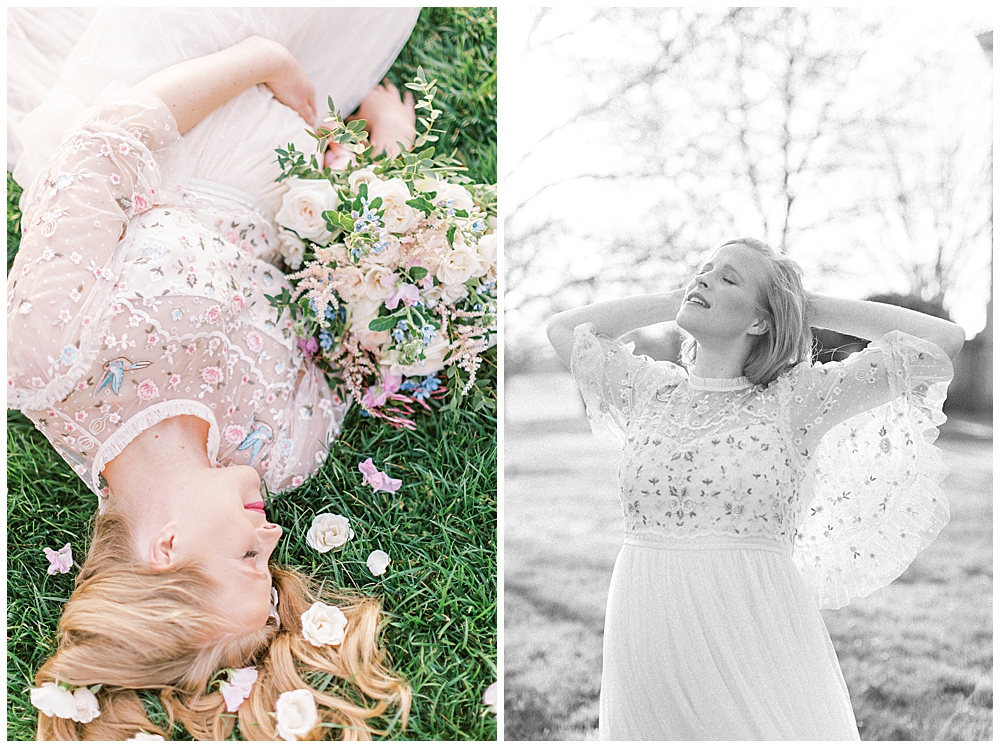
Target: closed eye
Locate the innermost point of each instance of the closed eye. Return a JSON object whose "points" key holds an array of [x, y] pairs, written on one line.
{"points": [[250, 554]]}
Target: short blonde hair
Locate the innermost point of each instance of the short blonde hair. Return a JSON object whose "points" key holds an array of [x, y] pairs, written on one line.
{"points": [[782, 300], [131, 628]]}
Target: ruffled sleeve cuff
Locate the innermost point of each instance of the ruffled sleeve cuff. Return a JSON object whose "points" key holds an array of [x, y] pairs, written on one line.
{"points": [[613, 381], [873, 498]]}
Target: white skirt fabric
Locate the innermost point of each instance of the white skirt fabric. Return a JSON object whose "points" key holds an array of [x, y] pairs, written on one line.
{"points": [[344, 51], [717, 639]]}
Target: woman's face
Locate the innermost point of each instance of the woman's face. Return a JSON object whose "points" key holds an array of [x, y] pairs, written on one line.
{"points": [[721, 300], [225, 530]]}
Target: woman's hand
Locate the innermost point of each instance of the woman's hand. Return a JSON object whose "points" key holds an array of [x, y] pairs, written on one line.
{"points": [[389, 119], [290, 85]]}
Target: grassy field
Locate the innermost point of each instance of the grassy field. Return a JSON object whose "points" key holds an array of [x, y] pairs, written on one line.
{"points": [[439, 529], [917, 655]]}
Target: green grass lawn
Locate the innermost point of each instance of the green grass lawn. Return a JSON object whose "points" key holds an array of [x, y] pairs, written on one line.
{"points": [[917, 655], [439, 529]]}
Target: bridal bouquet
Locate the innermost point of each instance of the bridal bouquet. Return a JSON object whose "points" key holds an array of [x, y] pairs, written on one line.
{"points": [[395, 295]]}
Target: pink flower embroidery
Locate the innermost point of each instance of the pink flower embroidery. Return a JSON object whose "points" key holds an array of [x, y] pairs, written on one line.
{"points": [[153, 339], [378, 480], [115, 179], [175, 379], [212, 314], [80, 416], [147, 390], [192, 348], [255, 342], [235, 434], [297, 481], [237, 303], [114, 417], [59, 561], [69, 427], [211, 375]]}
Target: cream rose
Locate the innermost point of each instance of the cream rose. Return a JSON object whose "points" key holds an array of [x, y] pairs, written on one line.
{"points": [[378, 283], [291, 248], [362, 313], [329, 531], [377, 562], [303, 205], [459, 265], [487, 249], [455, 196], [324, 625], [398, 215], [361, 176], [347, 280], [334, 253], [447, 294], [296, 714]]}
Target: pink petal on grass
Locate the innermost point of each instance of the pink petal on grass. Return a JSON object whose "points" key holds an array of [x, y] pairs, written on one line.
{"points": [[60, 561]]}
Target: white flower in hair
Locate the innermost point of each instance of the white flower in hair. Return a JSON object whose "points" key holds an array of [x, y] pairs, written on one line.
{"points": [[145, 736], [323, 625], [296, 714], [55, 700]]}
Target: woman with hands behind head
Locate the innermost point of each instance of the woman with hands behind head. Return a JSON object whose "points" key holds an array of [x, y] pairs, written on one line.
{"points": [[756, 488]]}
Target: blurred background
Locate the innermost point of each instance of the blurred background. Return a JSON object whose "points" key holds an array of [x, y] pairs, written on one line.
{"points": [[857, 141]]}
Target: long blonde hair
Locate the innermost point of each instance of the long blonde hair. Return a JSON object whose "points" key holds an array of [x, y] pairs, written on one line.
{"points": [[783, 302], [130, 628]]}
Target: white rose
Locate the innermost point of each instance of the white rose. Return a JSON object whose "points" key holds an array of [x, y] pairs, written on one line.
{"points": [[329, 531], [323, 625], [85, 703], [487, 249], [361, 314], [398, 215], [378, 283], [388, 256], [347, 280], [296, 714], [303, 205], [334, 253], [377, 562], [459, 265], [436, 352], [361, 176], [291, 248], [448, 294], [455, 196], [53, 701]]}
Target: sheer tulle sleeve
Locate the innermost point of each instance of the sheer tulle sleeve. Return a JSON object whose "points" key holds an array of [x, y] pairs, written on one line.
{"points": [[60, 288], [614, 382], [872, 497]]}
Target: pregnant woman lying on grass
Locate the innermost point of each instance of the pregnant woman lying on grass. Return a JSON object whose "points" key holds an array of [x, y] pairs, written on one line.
{"points": [[141, 344]]}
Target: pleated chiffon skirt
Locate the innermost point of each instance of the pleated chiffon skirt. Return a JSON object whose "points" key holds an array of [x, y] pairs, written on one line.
{"points": [[717, 639]]}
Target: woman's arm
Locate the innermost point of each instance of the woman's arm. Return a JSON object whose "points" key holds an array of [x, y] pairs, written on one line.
{"points": [[613, 318], [871, 320], [193, 89]]}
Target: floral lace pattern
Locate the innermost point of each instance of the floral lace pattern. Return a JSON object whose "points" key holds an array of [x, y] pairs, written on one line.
{"points": [[835, 461], [121, 301]]}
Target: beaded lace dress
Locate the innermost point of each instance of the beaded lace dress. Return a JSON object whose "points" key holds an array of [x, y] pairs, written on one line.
{"points": [[746, 510], [138, 291]]}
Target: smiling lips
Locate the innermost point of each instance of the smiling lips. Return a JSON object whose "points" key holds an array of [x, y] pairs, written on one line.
{"points": [[257, 506], [696, 298]]}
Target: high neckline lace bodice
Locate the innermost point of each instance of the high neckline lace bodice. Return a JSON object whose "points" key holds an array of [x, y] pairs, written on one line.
{"points": [[712, 384]]}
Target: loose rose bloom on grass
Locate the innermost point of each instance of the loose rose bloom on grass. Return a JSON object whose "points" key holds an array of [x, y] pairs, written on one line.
{"points": [[54, 700], [296, 714], [329, 531], [324, 625], [60, 561], [490, 697], [377, 562]]}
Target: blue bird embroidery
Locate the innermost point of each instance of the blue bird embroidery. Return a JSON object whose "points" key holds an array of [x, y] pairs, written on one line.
{"points": [[256, 439], [116, 369]]}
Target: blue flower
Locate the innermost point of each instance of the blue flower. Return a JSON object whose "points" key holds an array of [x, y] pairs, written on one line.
{"points": [[176, 314], [68, 354], [325, 340], [478, 226]]}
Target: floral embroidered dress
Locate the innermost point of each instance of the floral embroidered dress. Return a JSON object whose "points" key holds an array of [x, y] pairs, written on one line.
{"points": [[747, 509], [123, 312]]}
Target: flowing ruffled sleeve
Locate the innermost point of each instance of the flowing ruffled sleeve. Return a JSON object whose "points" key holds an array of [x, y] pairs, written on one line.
{"points": [[75, 226], [872, 497], [614, 382]]}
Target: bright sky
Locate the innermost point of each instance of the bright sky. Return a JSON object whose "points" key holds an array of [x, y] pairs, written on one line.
{"points": [[542, 89]]}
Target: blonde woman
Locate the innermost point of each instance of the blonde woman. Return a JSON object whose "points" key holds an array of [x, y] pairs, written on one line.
{"points": [[756, 488], [140, 343]]}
